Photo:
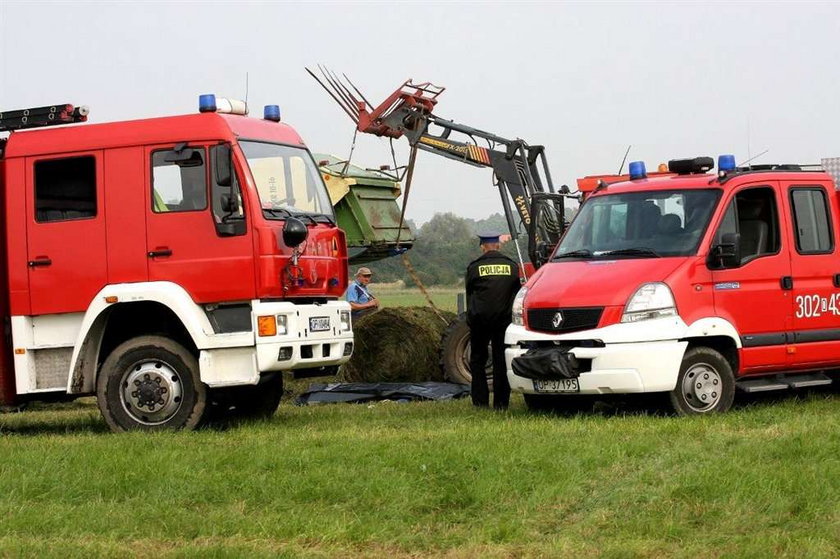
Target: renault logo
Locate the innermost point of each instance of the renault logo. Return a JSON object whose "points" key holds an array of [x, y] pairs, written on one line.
{"points": [[557, 320]]}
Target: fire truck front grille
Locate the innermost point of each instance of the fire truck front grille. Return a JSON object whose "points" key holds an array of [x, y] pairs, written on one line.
{"points": [[564, 320]]}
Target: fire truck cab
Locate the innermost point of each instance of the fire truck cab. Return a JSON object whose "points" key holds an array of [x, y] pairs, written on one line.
{"points": [[168, 265], [690, 284]]}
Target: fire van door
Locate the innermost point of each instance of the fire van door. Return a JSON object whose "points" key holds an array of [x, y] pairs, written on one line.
{"points": [[754, 296], [815, 279]]}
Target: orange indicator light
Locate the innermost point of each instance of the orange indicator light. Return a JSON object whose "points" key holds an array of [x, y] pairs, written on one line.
{"points": [[266, 325]]}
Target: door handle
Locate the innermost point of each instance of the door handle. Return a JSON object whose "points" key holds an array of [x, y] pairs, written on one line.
{"points": [[163, 251], [40, 261], [787, 282]]}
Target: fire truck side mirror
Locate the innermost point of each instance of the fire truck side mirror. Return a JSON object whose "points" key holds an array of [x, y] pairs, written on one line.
{"points": [[726, 253], [223, 168], [294, 232]]}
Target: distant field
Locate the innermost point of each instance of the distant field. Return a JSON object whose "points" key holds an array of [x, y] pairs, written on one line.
{"points": [[428, 479], [444, 297]]}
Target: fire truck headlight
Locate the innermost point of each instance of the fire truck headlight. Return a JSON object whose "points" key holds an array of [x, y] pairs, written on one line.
{"points": [[345, 321], [519, 307], [651, 300], [282, 324]]}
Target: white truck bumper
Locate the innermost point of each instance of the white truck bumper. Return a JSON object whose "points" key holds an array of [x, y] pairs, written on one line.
{"points": [[299, 346], [619, 364]]}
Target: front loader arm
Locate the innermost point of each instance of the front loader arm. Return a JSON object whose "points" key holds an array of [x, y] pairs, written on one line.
{"points": [[520, 170]]}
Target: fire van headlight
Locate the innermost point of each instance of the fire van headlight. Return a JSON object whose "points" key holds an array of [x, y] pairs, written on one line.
{"points": [[345, 321], [519, 307], [651, 300]]}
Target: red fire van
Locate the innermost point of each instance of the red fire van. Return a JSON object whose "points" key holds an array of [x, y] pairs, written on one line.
{"points": [[691, 284], [166, 265]]}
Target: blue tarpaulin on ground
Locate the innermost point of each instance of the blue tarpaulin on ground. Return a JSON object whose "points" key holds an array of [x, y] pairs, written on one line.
{"points": [[360, 392]]}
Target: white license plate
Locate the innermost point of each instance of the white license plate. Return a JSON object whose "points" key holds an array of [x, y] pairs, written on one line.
{"points": [[557, 385], [319, 324]]}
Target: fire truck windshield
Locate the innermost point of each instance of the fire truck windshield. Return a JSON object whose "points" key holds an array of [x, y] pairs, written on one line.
{"points": [[287, 180], [639, 225]]}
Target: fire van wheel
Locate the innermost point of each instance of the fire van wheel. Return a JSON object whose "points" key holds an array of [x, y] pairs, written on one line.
{"points": [[455, 353], [705, 383], [151, 383]]}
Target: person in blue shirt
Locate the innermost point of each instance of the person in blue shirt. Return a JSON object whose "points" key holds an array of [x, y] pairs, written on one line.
{"points": [[359, 296]]}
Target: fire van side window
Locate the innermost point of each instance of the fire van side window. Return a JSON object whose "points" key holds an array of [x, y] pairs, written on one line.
{"points": [[65, 189], [754, 216], [811, 219], [179, 180]]}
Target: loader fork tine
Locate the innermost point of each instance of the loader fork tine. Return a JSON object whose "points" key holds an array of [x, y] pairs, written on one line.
{"points": [[340, 102], [341, 89], [356, 89]]}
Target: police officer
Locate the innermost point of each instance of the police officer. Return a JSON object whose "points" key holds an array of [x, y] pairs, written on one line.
{"points": [[492, 283]]}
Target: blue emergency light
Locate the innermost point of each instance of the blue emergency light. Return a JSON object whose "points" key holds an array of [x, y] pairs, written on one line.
{"points": [[637, 170], [272, 113], [726, 163], [207, 103]]}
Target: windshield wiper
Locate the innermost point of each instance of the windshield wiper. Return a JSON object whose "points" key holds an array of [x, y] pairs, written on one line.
{"points": [[282, 212], [640, 251], [582, 253]]}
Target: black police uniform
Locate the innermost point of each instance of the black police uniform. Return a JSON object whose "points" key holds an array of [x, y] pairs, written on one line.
{"points": [[492, 283]]}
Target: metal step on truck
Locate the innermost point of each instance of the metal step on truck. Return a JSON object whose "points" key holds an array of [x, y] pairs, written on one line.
{"points": [[169, 266]]}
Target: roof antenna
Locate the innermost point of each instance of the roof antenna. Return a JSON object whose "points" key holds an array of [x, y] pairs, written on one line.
{"points": [[751, 158], [749, 155], [626, 153], [246, 90]]}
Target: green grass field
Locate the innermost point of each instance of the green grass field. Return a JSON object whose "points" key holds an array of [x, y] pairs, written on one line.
{"points": [[445, 298], [428, 479]]}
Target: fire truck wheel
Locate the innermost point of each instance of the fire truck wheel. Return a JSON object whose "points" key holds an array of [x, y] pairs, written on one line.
{"points": [[253, 402], [151, 383], [455, 353], [705, 383]]}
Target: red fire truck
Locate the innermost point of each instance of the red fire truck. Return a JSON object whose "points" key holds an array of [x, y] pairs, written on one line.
{"points": [[689, 283], [168, 265]]}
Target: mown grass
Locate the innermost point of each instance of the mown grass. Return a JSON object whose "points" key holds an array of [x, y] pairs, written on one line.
{"points": [[428, 479], [445, 298]]}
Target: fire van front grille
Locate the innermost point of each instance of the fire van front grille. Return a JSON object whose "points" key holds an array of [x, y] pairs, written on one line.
{"points": [[564, 320]]}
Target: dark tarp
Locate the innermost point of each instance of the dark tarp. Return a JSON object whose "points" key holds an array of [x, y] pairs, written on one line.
{"points": [[360, 392]]}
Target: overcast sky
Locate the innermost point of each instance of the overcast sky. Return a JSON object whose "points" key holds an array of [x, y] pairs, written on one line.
{"points": [[585, 80]]}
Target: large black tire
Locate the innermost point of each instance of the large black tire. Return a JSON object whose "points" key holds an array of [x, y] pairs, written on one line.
{"points": [[455, 353], [249, 402], [705, 384], [151, 383]]}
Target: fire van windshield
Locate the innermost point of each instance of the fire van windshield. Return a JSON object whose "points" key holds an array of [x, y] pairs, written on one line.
{"points": [[288, 181], [639, 225]]}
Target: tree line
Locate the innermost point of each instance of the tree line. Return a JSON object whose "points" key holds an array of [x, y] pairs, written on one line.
{"points": [[442, 249]]}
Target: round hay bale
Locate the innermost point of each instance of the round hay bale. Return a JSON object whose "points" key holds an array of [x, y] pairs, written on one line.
{"points": [[397, 344]]}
